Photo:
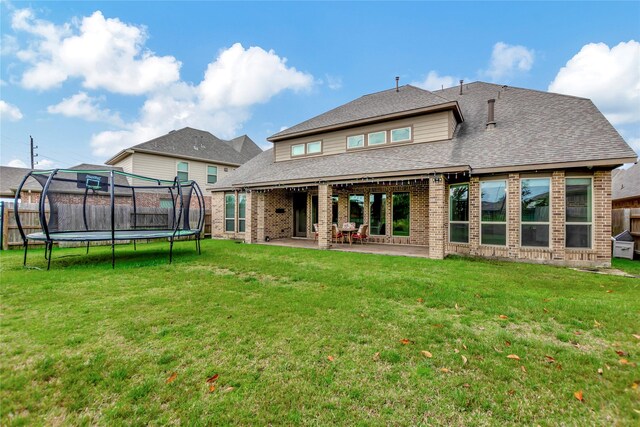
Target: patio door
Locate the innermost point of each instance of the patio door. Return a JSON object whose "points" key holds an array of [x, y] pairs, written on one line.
{"points": [[300, 215]]}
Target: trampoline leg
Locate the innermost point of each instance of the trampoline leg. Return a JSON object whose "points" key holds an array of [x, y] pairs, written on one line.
{"points": [[50, 244], [113, 254], [88, 246], [46, 249], [134, 245], [26, 246], [171, 252]]}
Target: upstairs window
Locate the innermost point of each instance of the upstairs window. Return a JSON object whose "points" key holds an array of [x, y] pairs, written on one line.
{"points": [[314, 147], [183, 171], [355, 141], [297, 150], [459, 213], [493, 215], [377, 138], [535, 195], [212, 174], [401, 134], [579, 206]]}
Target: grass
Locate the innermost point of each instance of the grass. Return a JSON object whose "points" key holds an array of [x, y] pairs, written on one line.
{"points": [[85, 344]]}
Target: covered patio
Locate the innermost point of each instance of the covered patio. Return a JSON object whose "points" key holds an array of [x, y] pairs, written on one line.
{"points": [[368, 248]]}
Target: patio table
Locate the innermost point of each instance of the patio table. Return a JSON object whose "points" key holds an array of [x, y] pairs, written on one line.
{"points": [[349, 231]]}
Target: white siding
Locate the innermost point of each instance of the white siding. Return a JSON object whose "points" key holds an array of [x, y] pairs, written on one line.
{"points": [[426, 128]]}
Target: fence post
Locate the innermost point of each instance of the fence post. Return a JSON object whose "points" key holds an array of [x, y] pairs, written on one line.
{"points": [[4, 239]]}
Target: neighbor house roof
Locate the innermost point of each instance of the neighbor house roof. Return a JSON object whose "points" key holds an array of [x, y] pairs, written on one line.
{"points": [[534, 130], [383, 105], [196, 144], [625, 183], [10, 178]]}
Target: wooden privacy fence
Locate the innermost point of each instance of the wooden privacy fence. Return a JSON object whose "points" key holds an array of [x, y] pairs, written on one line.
{"points": [[70, 217], [627, 219]]}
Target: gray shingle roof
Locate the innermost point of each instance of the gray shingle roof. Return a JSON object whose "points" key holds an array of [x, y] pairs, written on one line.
{"points": [[533, 128], [10, 178], [625, 183], [200, 144], [368, 106]]}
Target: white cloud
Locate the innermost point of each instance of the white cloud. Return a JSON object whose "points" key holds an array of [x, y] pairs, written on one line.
{"points": [[434, 81], [236, 80], [9, 45], [45, 164], [507, 59], [610, 77], [9, 112], [85, 107], [104, 53], [334, 82], [17, 163], [634, 143], [242, 77]]}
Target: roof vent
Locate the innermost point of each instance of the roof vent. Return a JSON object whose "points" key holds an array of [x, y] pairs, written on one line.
{"points": [[397, 81], [461, 81], [491, 122]]}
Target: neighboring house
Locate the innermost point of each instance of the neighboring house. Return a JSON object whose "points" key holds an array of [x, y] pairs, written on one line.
{"points": [[625, 187], [480, 169], [188, 153], [10, 179]]}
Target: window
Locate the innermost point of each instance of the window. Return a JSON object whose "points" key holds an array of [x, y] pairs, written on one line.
{"points": [[402, 134], [314, 147], [535, 212], [356, 209], [183, 171], [314, 210], [334, 209], [400, 213], [229, 212], [493, 215], [377, 214], [377, 138], [242, 204], [212, 174], [355, 141], [459, 213], [578, 205], [297, 150]]}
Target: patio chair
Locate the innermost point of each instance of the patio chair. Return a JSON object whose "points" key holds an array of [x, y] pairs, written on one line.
{"points": [[315, 232], [361, 234], [336, 234]]}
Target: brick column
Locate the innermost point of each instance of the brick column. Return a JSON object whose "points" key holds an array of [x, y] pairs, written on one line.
{"points": [[558, 215], [260, 217], [602, 216], [437, 212], [251, 219], [217, 214], [324, 216], [474, 215], [513, 215]]}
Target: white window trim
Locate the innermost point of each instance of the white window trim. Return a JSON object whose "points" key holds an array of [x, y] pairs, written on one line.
{"points": [[304, 151], [449, 213], [579, 223], [399, 192], [208, 174], [369, 144], [548, 223], [506, 233], [401, 140], [188, 168], [359, 146]]}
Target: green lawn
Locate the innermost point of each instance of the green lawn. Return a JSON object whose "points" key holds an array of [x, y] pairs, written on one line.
{"points": [[85, 344]]}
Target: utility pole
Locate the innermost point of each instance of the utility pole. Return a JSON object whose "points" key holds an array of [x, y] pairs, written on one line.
{"points": [[33, 156]]}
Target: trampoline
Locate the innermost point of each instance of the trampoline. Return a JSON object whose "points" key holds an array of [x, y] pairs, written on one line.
{"points": [[78, 205]]}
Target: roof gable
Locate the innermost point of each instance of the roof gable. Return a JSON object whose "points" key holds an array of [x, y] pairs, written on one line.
{"points": [[625, 183]]}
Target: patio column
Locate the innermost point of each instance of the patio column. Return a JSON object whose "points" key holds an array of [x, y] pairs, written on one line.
{"points": [[251, 218], [437, 216], [324, 216], [260, 217]]}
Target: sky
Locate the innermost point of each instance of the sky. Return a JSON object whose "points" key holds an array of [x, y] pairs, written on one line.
{"points": [[87, 79]]}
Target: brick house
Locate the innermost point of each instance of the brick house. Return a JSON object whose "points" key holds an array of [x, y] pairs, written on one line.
{"points": [[480, 169]]}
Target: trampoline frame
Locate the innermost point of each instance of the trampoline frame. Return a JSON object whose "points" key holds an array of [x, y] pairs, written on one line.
{"points": [[177, 230]]}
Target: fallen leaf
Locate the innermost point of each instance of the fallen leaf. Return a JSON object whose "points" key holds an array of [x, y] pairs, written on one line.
{"points": [[635, 385], [578, 395], [549, 359], [445, 370], [577, 333], [546, 300], [212, 388], [376, 356], [503, 317], [559, 367], [330, 358], [596, 323], [576, 344], [523, 369], [511, 392], [464, 360], [609, 291], [636, 336], [608, 367], [466, 385], [545, 310], [212, 379], [420, 300], [464, 346], [405, 341], [621, 353], [497, 349], [172, 377], [600, 371], [623, 361], [481, 328], [507, 343], [426, 353], [456, 351], [457, 308], [228, 389], [513, 356]]}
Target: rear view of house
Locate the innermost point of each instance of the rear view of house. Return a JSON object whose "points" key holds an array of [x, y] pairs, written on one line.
{"points": [[480, 169]]}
